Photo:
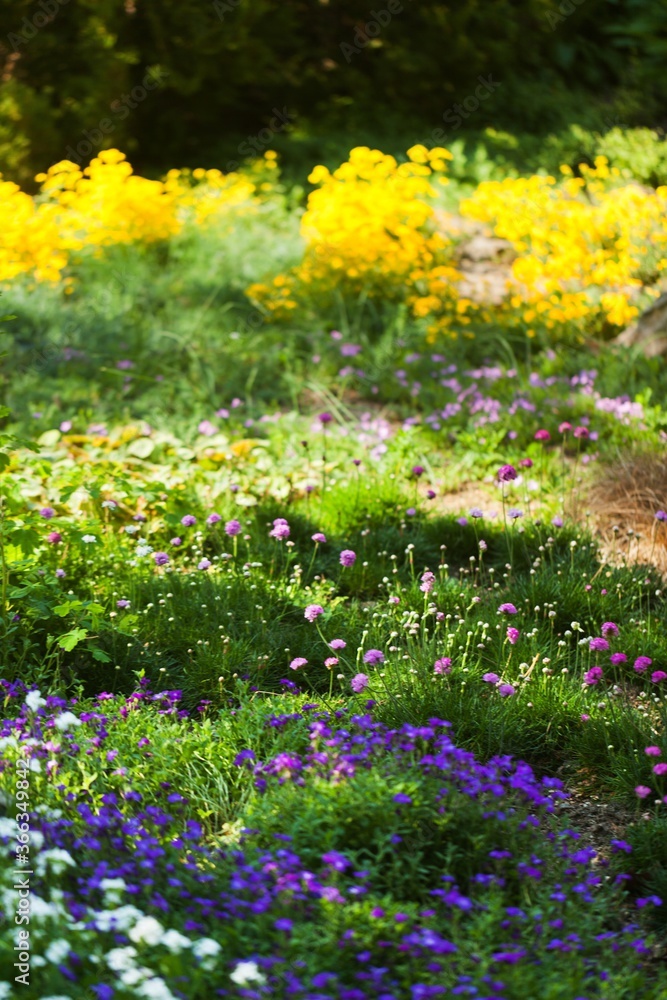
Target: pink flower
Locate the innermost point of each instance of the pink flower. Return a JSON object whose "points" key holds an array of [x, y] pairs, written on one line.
{"points": [[298, 661], [542, 435], [207, 428], [331, 661], [526, 463], [337, 644], [280, 530], [658, 675], [313, 611], [581, 432], [659, 769], [652, 751], [233, 528], [506, 690], [641, 791], [491, 678], [54, 537], [641, 663], [506, 473], [213, 518], [359, 683], [443, 665], [175, 541], [584, 717], [394, 600], [564, 427], [593, 676], [609, 628], [319, 537], [599, 645], [428, 579], [508, 609], [374, 657], [617, 658], [348, 557], [47, 512], [513, 634]]}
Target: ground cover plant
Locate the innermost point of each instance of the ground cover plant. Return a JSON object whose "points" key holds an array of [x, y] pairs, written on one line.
{"points": [[316, 660]]}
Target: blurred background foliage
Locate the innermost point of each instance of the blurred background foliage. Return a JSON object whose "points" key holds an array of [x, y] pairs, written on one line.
{"points": [[345, 71]]}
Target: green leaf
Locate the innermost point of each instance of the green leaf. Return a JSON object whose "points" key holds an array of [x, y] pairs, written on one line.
{"points": [[71, 639], [25, 538], [99, 654]]}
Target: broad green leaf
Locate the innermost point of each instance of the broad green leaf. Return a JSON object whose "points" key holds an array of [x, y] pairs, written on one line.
{"points": [[71, 639]]}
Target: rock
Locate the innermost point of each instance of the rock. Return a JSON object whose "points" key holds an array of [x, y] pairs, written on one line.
{"points": [[649, 331]]}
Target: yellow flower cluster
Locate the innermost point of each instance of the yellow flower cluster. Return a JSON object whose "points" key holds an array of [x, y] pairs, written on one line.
{"points": [[367, 229], [586, 247], [106, 203]]}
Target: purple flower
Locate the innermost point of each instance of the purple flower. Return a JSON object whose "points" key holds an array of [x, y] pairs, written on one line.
{"points": [[599, 645], [298, 661], [431, 494], [54, 537], [204, 564], [188, 520], [658, 675], [350, 350], [319, 538], [514, 513], [659, 769], [557, 521], [411, 512], [491, 678], [373, 657], [176, 541], [360, 681], [60, 573], [402, 799], [443, 665], [417, 471], [526, 463], [213, 518], [593, 676], [652, 751], [609, 628], [581, 432], [161, 558], [506, 690], [564, 427], [641, 663], [348, 557], [47, 512], [280, 530], [207, 428], [122, 604], [641, 791], [661, 515], [462, 521], [325, 418], [427, 581], [313, 611], [508, 609], [542, 435], [617, 658], [233, 527], [506, 473], [337, 644], [476, 512], [513, 634]]}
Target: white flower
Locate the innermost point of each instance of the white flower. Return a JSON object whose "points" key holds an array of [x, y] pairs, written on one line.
{"points": [[206, 950], [5, 990], [143, 550], [247, 972], [35, 765], [131, 529], [121, 959], [60, 996], [88, 539], [117, 920], [155, 989], [34, 700], [67, 719], [148, 930], [57, 860], [58, 951], [112, 889], [175, 942], [7, 829], [132, 976]]}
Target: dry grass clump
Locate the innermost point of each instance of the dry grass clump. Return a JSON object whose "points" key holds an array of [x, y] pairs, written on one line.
{"points": [[623, 502]]}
